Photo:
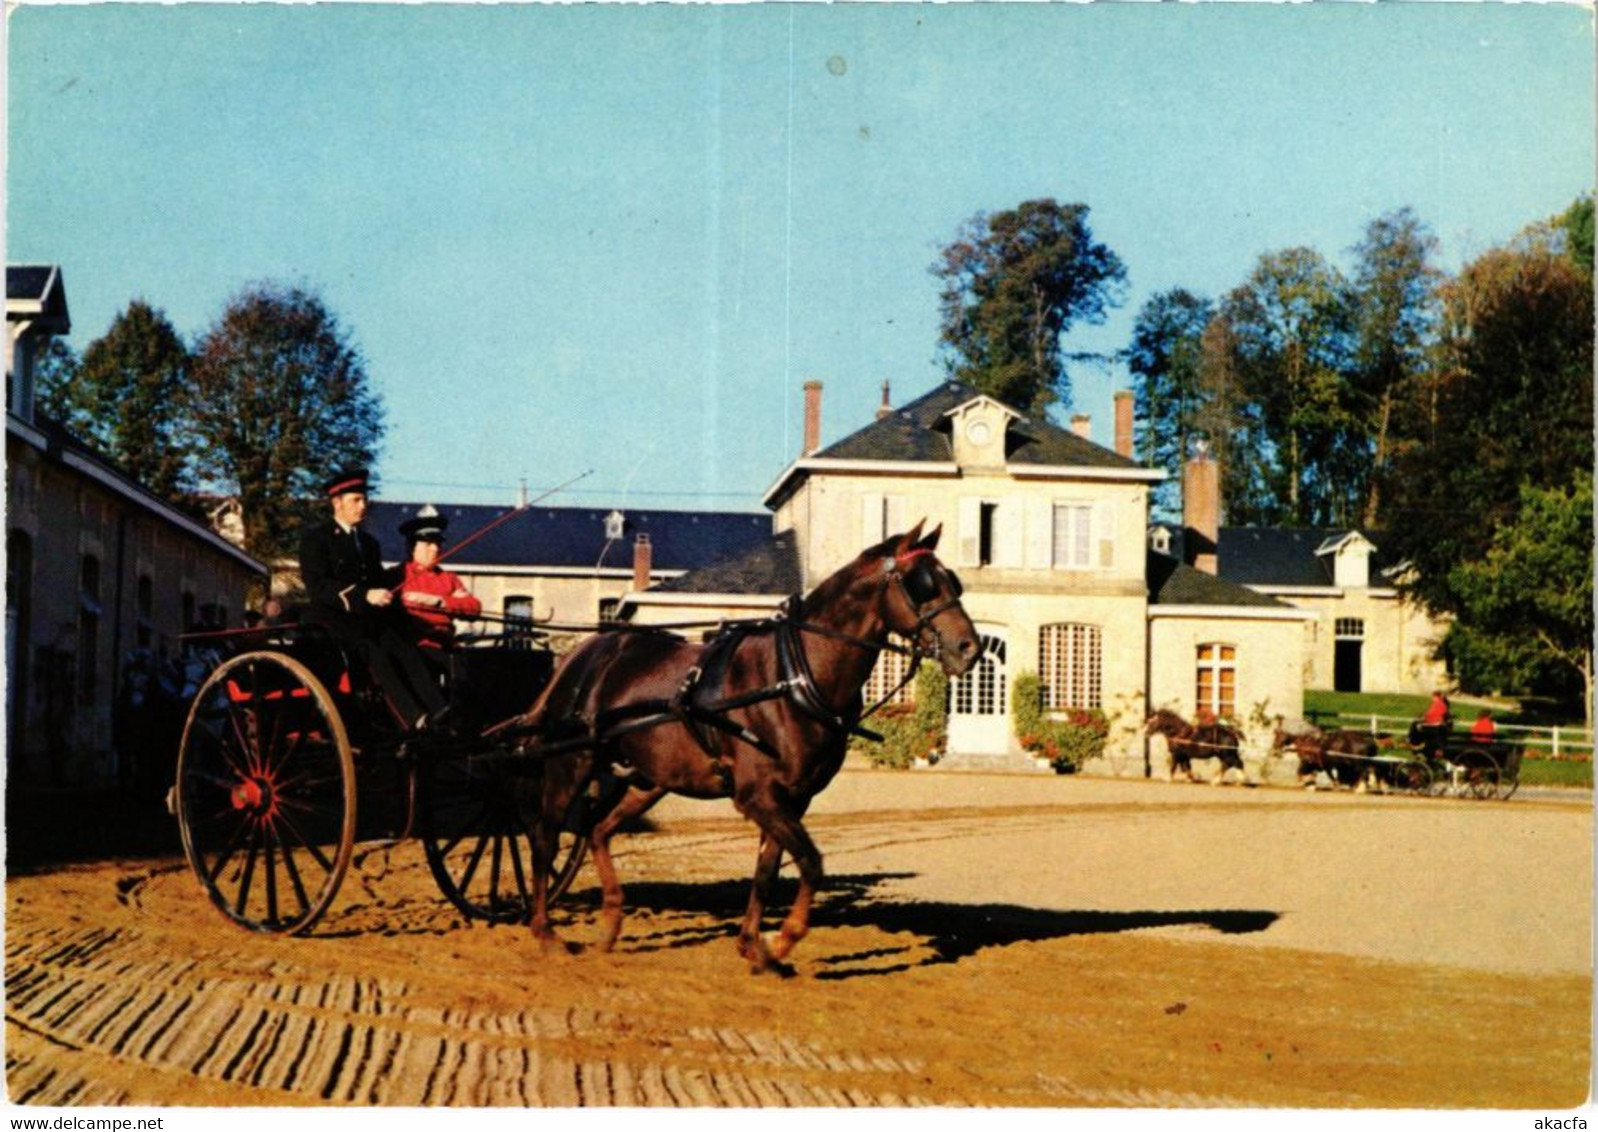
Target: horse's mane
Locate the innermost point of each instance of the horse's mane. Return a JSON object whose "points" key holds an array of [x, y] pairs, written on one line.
{"points": [[837, 584]]}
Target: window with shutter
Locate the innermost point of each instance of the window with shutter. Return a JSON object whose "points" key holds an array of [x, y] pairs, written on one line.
{"points": [[1073, 535]]}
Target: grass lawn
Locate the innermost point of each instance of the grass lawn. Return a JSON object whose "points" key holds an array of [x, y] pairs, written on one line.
{"points": [[1545, 772]]}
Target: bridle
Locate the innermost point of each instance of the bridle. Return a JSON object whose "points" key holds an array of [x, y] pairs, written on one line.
{"points": [[914, 579]]}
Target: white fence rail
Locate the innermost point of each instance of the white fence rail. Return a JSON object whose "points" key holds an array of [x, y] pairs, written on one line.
{"points": [[1549, 742]]}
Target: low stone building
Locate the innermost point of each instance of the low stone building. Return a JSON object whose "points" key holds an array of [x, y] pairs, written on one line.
{"points": [[1364, 634], [96, 568], [570, 566]]}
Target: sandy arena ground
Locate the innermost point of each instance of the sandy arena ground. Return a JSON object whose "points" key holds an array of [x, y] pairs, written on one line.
{"points": [[984, 940]]}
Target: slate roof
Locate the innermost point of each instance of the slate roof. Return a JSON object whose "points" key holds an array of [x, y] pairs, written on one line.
{"points": [[1269, 556], [1171, 582], [60, 441], [575, 536], [920, 432], [770, 568]]}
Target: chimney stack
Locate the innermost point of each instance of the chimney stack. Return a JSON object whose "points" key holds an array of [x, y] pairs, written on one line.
{"points": [[1201, 511], [1123, 423], [643, 558], [812, 418], [884, 409], [1082, 425]]}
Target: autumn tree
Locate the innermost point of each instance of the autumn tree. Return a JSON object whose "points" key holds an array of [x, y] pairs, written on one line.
{"points": [[1166, 360], [1014, 282], [1576, 225], [279, 400], [126, 397], [55, 368]]}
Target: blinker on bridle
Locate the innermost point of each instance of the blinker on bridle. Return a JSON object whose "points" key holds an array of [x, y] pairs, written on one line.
{"points": [[919, 584]]}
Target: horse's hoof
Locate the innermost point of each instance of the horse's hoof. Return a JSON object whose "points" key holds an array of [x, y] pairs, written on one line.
{"points": [[552, 944]]}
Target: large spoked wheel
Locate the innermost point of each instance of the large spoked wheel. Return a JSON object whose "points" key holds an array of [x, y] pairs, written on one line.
{"points": [[266, 793], [1481, 778], [480, 846], [1412, 776]]}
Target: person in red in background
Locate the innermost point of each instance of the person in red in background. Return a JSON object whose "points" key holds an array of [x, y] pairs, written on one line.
{"points": [[1484, 730], [1429, 733], [433, 597]]}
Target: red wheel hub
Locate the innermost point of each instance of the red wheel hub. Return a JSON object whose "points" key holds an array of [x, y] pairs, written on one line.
{"points": [[253, 794]]}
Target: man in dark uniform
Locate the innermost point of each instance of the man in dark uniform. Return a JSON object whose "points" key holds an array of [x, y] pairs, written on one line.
{"points": [[351, 596]]}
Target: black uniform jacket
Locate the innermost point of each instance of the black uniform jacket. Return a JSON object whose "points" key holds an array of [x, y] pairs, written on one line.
{"points": [[337, 570]]}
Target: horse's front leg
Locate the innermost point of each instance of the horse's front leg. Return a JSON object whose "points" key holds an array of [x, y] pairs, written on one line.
{"points": [[635, 802], [767, 861], [791, 835]]}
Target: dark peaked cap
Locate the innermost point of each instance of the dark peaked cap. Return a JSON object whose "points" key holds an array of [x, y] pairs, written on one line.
{"points": [[351, 479], [428, 525]]}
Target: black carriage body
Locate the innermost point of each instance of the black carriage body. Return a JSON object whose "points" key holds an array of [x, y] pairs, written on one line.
{"points": [[290, 756]]}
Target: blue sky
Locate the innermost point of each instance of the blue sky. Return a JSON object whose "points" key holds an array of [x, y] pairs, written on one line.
{"points": [[622, 237]]}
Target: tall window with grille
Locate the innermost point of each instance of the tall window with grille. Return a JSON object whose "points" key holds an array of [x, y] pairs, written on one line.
{"points": [[981, 691], [890, 670], [1071, 666], [1217, 679]]}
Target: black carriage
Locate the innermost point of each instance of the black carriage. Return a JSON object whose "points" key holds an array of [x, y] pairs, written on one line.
{"points": [[1462, 765], [289, 758]]}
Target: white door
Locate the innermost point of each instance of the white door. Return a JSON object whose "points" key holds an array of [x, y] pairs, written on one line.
{"points": [[979, 701]]}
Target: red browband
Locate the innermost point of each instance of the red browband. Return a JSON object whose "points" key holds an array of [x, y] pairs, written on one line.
{"points": [[905, 560]]}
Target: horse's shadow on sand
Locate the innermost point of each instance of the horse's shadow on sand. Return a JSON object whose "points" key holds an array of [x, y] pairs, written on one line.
{"points": [[940, 932]]}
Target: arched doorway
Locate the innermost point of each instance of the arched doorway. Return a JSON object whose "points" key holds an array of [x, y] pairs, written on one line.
{"points": [[979, 701]]}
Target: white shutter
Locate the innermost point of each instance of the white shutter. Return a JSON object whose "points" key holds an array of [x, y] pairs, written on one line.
{"points": [[970, 531], [1039, 533], [871, 531], [1008, 549], [895, 512], [1104, 532]]}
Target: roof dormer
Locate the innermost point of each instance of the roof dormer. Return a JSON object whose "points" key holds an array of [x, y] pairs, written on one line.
{"points": [[1350, 557], [978, 428]]}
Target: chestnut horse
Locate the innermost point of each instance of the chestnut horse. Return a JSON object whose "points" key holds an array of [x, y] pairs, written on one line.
{"points": [[1345, 756], [1189, 741], [784, 696]]}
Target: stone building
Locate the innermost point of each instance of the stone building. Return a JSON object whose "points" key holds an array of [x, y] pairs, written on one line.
{"points": [[96, 568]]}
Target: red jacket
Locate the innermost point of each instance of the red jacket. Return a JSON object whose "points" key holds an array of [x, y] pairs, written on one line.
{"points": [[1436, 713], [1484, 730], [436, 622]]}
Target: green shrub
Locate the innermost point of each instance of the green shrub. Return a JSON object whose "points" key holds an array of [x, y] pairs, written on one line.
{"points": [[1066, 742], [911, 731]]}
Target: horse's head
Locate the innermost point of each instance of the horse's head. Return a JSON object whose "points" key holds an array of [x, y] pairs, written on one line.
{"points": [[921, 601], [1163, 722]]}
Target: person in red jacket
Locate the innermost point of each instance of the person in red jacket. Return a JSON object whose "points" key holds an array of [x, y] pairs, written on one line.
{"points": [[1437, 712], [1484, 730], [433, 597]]}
